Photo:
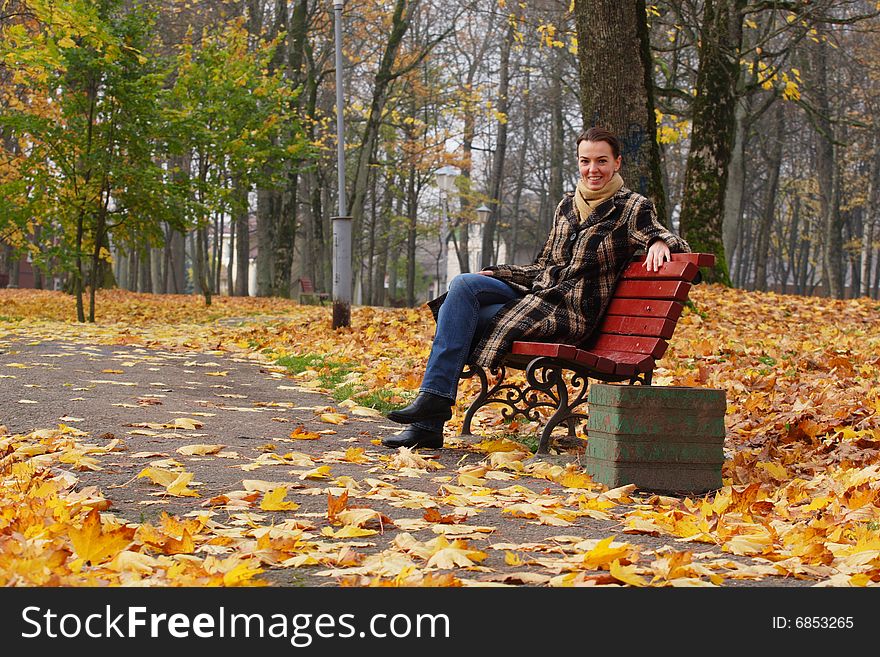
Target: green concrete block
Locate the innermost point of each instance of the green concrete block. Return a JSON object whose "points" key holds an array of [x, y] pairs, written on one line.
{"points": [[660, 438], [610, 447], [661, 478]]}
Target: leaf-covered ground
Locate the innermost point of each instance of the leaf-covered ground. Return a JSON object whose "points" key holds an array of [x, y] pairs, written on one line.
{"points": [[799, 501]]}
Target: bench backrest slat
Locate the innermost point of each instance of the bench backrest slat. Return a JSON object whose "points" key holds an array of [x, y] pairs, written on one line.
{"points": [[699, 259], [654, 347], [306, 285], [672, 290], [670, 310], [675, 271], [650, 326]]}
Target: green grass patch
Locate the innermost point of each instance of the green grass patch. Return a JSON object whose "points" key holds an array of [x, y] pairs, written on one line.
{"points": [[379, 399], [6, 318], [531, 442], [332, 375]]}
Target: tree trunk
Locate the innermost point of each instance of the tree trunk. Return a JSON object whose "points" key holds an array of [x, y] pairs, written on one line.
{"points": [[733, 196], [714, 111], [266, 221], [515, 219], [617, 88], [77, 274], [177, 264], [412, 222], [131, 284], [242, 244], [367, 262], [13, 262], [828, 173], [400, 22], [38, 272], [870, 220], [462, 241], [156, 286], [557, 154], [201, 263], [231, 273], [773, 162], [503, 105], [379, 294]]}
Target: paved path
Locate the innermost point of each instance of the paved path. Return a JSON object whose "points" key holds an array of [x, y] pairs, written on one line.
{"points": [[251, 409]]}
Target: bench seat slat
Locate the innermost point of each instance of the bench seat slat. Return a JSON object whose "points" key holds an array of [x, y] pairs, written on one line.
{"points": [[654, 347], [670, 271], [627, 325], [564, 351], [670, 310], [625, 363], [550, 349], [672, 290]]}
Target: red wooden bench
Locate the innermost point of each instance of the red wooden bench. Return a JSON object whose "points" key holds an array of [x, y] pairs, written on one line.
{"points": [[632, 335], [307, 292]]}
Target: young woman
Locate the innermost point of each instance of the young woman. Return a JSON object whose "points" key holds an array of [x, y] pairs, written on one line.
{"points": [[559, 297]]}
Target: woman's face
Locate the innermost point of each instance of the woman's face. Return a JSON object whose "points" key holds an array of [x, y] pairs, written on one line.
{"points": [[597, 163]]}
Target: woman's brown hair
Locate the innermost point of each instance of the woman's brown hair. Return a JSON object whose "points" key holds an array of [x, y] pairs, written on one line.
{"points": [[600, 134]]}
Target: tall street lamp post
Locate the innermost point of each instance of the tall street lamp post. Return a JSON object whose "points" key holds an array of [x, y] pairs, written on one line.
{"points": [[341, 222], [483, 213], [445, 177]]}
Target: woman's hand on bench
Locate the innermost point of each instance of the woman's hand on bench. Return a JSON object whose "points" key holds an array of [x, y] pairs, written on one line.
{"points": [[658, 253]]}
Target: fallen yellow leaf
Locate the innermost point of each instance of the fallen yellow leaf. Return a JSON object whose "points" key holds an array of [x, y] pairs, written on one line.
{"points": [[273, 500]]}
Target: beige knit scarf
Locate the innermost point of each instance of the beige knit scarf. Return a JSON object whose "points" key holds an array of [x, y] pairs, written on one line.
{"points": [[586, 200]]}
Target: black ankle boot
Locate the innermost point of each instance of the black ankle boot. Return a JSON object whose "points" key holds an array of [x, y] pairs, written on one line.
{"points": [[413, 437], [426, 406]]}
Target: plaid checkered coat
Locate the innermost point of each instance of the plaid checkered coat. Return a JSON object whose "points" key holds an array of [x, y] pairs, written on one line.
{"points": [[569, 285]]}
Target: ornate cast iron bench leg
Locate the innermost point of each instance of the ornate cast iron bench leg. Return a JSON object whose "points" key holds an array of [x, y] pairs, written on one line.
{"points": [[546, 388], [508, 394], [549, 376]]}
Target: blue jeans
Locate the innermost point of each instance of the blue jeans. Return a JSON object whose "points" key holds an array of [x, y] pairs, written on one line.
{"points": [[473, 300]]}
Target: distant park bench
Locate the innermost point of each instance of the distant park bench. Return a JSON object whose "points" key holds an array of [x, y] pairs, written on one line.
{"points": [[633, 334], [307, 293]]}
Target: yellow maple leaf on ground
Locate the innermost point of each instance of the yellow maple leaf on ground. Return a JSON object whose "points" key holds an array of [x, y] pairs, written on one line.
{"points": [[158, 476], [93, 544], [356, 409], [406, 458], [349, 531], [242, 574], [577, 480], [356, 455], [300, 433], [321, 472], [199, 450], [626, 574], [184, 423], [604, 554], [273, 500], [747, 544], [454, 555], [184, 545], [333, 418], [178, 487], [499, 445]]}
